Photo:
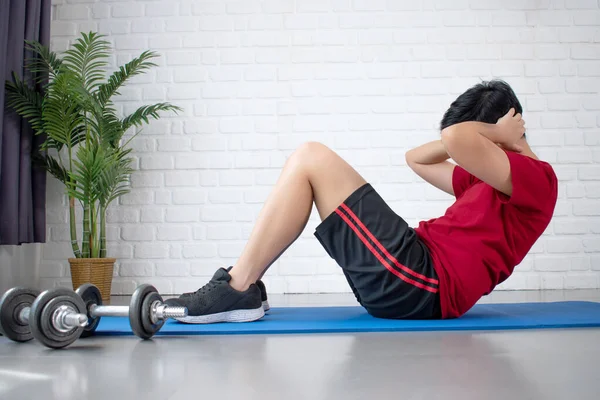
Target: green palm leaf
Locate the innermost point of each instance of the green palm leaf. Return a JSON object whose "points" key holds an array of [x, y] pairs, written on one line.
{"points": [[87, 101], [25, 101], [143, 114], [87, 59], [136, 66], [87, 172], [112, 129], [61, 113], [45, 63], [52, 166], [101, 119], [115, 178]]}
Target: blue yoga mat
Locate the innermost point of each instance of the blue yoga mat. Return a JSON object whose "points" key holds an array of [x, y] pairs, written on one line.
{"points": [[355, 319]]}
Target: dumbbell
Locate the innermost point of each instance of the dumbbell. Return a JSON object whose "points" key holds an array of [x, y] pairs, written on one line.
{"points": [[57, 317], [15, 305], [61, 316], [146, 311]]}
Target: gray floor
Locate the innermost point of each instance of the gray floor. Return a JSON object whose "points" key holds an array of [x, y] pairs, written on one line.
{"points": [[537, 364]]}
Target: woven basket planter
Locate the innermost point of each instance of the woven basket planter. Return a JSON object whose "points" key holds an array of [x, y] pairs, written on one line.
{"points": [[97, 271]]}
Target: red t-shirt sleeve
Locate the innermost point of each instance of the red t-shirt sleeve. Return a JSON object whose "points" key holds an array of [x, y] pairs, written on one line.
{"points": [[533, 181], [461, 180]]}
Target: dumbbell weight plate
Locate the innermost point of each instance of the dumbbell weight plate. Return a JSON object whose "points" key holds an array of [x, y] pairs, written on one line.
{"points": [[139, 311], [149, 326], [90, 294], [11, 304], [42, 312]]}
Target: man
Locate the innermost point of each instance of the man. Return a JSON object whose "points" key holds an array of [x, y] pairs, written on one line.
{"points": [[505, 199]]}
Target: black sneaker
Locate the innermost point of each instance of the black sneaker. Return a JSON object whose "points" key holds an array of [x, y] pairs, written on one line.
{"points": [[218, 302], [263, 292], [263, 295]]}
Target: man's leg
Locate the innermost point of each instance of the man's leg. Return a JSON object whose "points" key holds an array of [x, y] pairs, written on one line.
{"points": [[312, 173]]}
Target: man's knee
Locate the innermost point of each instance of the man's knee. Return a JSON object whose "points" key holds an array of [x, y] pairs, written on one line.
{"points": [[310, 154]]}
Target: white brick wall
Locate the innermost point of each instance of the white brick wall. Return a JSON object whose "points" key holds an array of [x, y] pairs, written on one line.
{"points": [[371, 79]]}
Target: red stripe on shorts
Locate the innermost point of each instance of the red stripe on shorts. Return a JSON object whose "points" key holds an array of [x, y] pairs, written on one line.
{"points": [[384, 250], [380, 257]]}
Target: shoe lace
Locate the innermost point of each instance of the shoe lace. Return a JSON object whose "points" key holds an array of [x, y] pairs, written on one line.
{"points": [[212, 284], [206, 288]]}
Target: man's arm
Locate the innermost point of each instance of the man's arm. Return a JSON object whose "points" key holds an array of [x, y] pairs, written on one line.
{"points": [[473, 146], [429, 161]]}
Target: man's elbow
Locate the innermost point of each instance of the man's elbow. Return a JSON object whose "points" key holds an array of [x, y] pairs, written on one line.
{"points": [[457, 142], [450, 139], [412, 160], [409, 158]]}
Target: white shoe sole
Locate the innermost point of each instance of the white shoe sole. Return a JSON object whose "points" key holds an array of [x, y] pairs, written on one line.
{"points": [[266, 306], [226, 316]]}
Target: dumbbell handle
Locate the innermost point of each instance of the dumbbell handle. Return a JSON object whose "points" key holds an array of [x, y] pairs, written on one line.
{"points": [[63, 319], [108, 311], [159, 311], [24, 315]]}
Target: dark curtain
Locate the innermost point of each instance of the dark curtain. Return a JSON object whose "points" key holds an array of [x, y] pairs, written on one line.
{"points": [[22, 187]]}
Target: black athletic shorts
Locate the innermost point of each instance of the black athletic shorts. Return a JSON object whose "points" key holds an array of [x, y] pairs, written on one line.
{"points": [[387, 266]]}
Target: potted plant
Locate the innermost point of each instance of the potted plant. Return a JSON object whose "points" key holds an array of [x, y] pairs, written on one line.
{"points": [[84, 146]]}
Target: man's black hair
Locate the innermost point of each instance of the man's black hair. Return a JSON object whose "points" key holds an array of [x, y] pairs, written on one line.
{"points": [[487, 102]]}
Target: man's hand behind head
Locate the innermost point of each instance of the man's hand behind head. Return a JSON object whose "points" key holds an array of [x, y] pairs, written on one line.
{"points": [[511, 128]]}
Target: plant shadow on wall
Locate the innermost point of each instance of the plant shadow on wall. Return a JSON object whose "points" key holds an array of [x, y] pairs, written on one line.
{"points": [[84, 146]]}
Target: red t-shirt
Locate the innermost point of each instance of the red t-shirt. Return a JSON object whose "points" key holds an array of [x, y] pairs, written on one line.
{"points": [[485, 234]]}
